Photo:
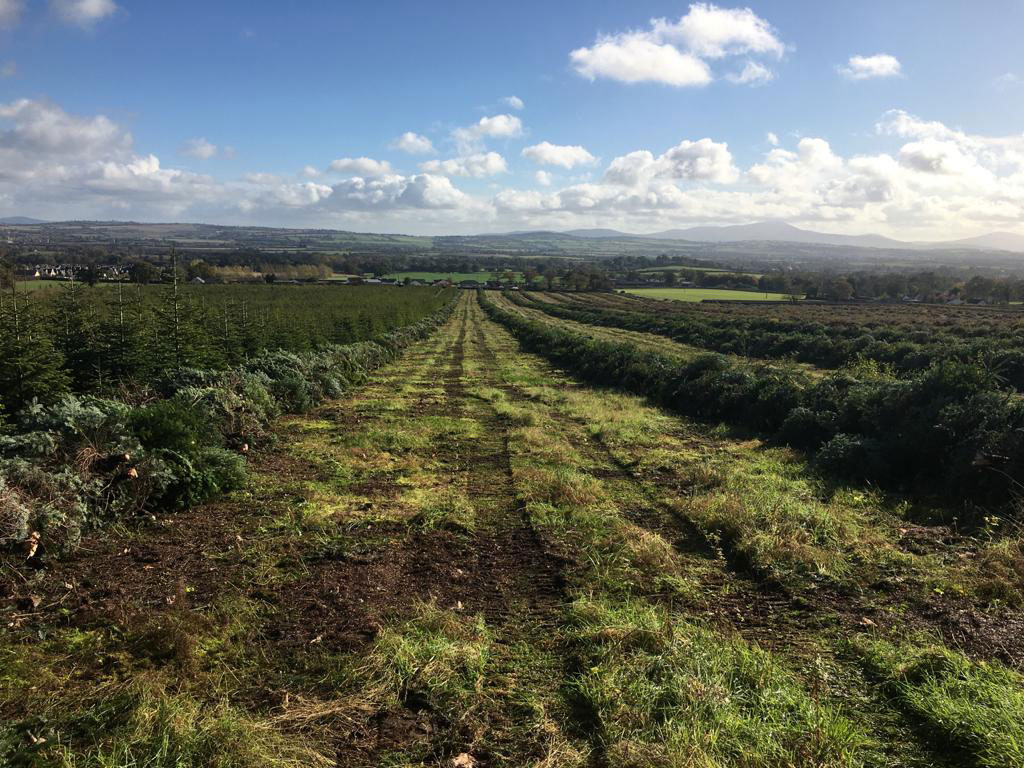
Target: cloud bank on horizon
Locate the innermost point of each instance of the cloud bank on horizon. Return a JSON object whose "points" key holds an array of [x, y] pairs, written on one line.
{"points": [[908, 175]]}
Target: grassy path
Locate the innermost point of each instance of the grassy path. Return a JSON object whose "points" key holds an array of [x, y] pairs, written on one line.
{"points": [[474, 560]]}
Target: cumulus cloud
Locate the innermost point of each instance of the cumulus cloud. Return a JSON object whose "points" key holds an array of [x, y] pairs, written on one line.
{"points": [[634, 58], [413, 144], [361, 166], [42, 127], [753, 73], [564, 156], [63, 165], [513, 102], [677, 53], [702, 160], [868, 67], [772, 139], [424, 190], [926, 180], [469, 140], [476, 165], [941, 182], [499, 126], [10, 13], [295, 195], [83, 13], [200, 148]]}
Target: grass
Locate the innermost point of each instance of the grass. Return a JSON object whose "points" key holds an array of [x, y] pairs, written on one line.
{"points": [[974, 706], [702, 294], [609, 585], [666, 691]]}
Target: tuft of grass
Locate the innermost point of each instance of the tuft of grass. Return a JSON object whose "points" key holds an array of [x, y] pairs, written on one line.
{"points": [[977, 706], [997, 573], [60, 710], [439, 654], [664, 691], [444, 508]]}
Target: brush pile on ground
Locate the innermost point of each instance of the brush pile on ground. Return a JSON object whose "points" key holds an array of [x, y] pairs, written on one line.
{"points": [[85, 460]]}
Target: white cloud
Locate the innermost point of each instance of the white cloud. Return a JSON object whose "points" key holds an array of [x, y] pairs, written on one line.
{"points": [[200, 148], [83, 13], [311, 171], [10, 69], [935, 156], [867, 67], [10, 13], [772, 139], [67, 166], [703, 160], [39, 126], [413, 144], [713, 32], [634, 58], [564, 156], [513, 101], [677, 53], [361, 166], [470, 139], [476, 165], [1007, 80], [753, 73], [936, 182], [393, 192], [943, 182], [296, 195], [499, 126]]}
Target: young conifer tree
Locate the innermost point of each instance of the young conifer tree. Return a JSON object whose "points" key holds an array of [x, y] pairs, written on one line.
{"points": [[31, 368]]}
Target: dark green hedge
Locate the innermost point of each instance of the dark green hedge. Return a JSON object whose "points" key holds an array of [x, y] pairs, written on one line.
{"points": [[950, 429], [84, 461]]}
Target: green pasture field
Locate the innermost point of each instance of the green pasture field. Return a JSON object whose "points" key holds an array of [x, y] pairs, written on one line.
{"points": [[702, 294]]}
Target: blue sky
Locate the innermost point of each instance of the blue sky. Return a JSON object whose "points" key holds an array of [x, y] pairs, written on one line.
{"points": [[902, 118]]}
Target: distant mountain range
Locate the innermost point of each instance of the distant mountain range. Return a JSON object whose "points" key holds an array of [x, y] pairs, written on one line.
{"points": [[777, 231], [768, 234]]}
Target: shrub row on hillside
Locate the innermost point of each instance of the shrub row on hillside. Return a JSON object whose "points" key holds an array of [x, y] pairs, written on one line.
{"points": [[74, 339], [809, 343], [949, 428], [82, 461]]}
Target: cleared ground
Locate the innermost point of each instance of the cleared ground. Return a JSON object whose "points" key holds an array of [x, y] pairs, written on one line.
{"points": [[476, 561]]}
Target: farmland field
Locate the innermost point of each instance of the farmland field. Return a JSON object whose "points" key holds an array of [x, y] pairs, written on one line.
{"points": [[474, 555], [480, 277], [702, 294]]}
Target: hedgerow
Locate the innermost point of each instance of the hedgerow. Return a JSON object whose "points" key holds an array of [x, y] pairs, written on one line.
{"points": [[952, 428], [904, 348], [85, 460]]}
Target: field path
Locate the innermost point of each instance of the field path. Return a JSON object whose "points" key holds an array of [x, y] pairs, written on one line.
{"points": [[475, 560]]}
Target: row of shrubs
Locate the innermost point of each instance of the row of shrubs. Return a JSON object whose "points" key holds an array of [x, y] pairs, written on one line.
{"points": [[814, 344], [950, 429], [83, 461]]}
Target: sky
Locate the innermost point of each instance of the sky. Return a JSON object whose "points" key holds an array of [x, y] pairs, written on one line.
{"points": [[460, 117]]}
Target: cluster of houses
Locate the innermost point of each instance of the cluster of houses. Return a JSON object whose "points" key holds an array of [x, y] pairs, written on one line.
{"points": [[105, 272]]}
